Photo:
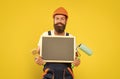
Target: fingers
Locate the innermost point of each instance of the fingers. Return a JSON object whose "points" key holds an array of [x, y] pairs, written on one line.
{"points": [[76, 62], [39, 60]]}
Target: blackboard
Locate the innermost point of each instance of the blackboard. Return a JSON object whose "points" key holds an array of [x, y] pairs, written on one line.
{"points": [[58, 49]]}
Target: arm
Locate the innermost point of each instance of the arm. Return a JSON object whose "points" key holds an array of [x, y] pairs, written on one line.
{"points": [[38, 58]]}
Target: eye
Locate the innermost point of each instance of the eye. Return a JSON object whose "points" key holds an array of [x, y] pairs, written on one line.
{"points": [[57, 18], [62, 18]]}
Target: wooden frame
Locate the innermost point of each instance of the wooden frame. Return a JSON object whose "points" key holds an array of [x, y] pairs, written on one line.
{"points": [[59, 49]]}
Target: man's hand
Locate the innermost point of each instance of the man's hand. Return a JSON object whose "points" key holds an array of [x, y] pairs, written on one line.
{"points": [[39, 60], [76, 62]]}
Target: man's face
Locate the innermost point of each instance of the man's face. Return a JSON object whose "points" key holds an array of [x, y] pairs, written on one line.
{"points": [[60, 23]]}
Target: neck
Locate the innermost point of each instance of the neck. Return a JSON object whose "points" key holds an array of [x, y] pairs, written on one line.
{"points": [[61, 34]]}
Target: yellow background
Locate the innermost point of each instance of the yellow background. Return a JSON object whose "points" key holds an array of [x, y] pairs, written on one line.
{"points": [[95, 23]]}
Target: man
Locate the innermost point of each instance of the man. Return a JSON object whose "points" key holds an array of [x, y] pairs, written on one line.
{"points": [[57, 70]]}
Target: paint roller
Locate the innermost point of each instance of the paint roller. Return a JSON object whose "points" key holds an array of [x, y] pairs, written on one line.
{"points": [[85, 49]]}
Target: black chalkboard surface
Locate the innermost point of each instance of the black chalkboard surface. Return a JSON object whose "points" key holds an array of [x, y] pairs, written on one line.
{"points": [[58, 49]]}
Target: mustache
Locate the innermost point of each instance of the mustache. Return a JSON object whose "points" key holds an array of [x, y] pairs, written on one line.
{"points": [[59, 23]]}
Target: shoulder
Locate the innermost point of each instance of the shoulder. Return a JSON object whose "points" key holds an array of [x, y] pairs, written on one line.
{"points": [[46, 33], [69, 34]]}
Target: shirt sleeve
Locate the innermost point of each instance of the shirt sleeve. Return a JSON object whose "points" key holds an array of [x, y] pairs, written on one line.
{"points": [[40, 39]]}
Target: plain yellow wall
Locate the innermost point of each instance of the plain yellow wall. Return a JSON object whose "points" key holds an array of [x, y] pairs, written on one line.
{"points": [[96, 23]]}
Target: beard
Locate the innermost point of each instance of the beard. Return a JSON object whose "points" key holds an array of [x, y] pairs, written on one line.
{"points": [[59, 29]]}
